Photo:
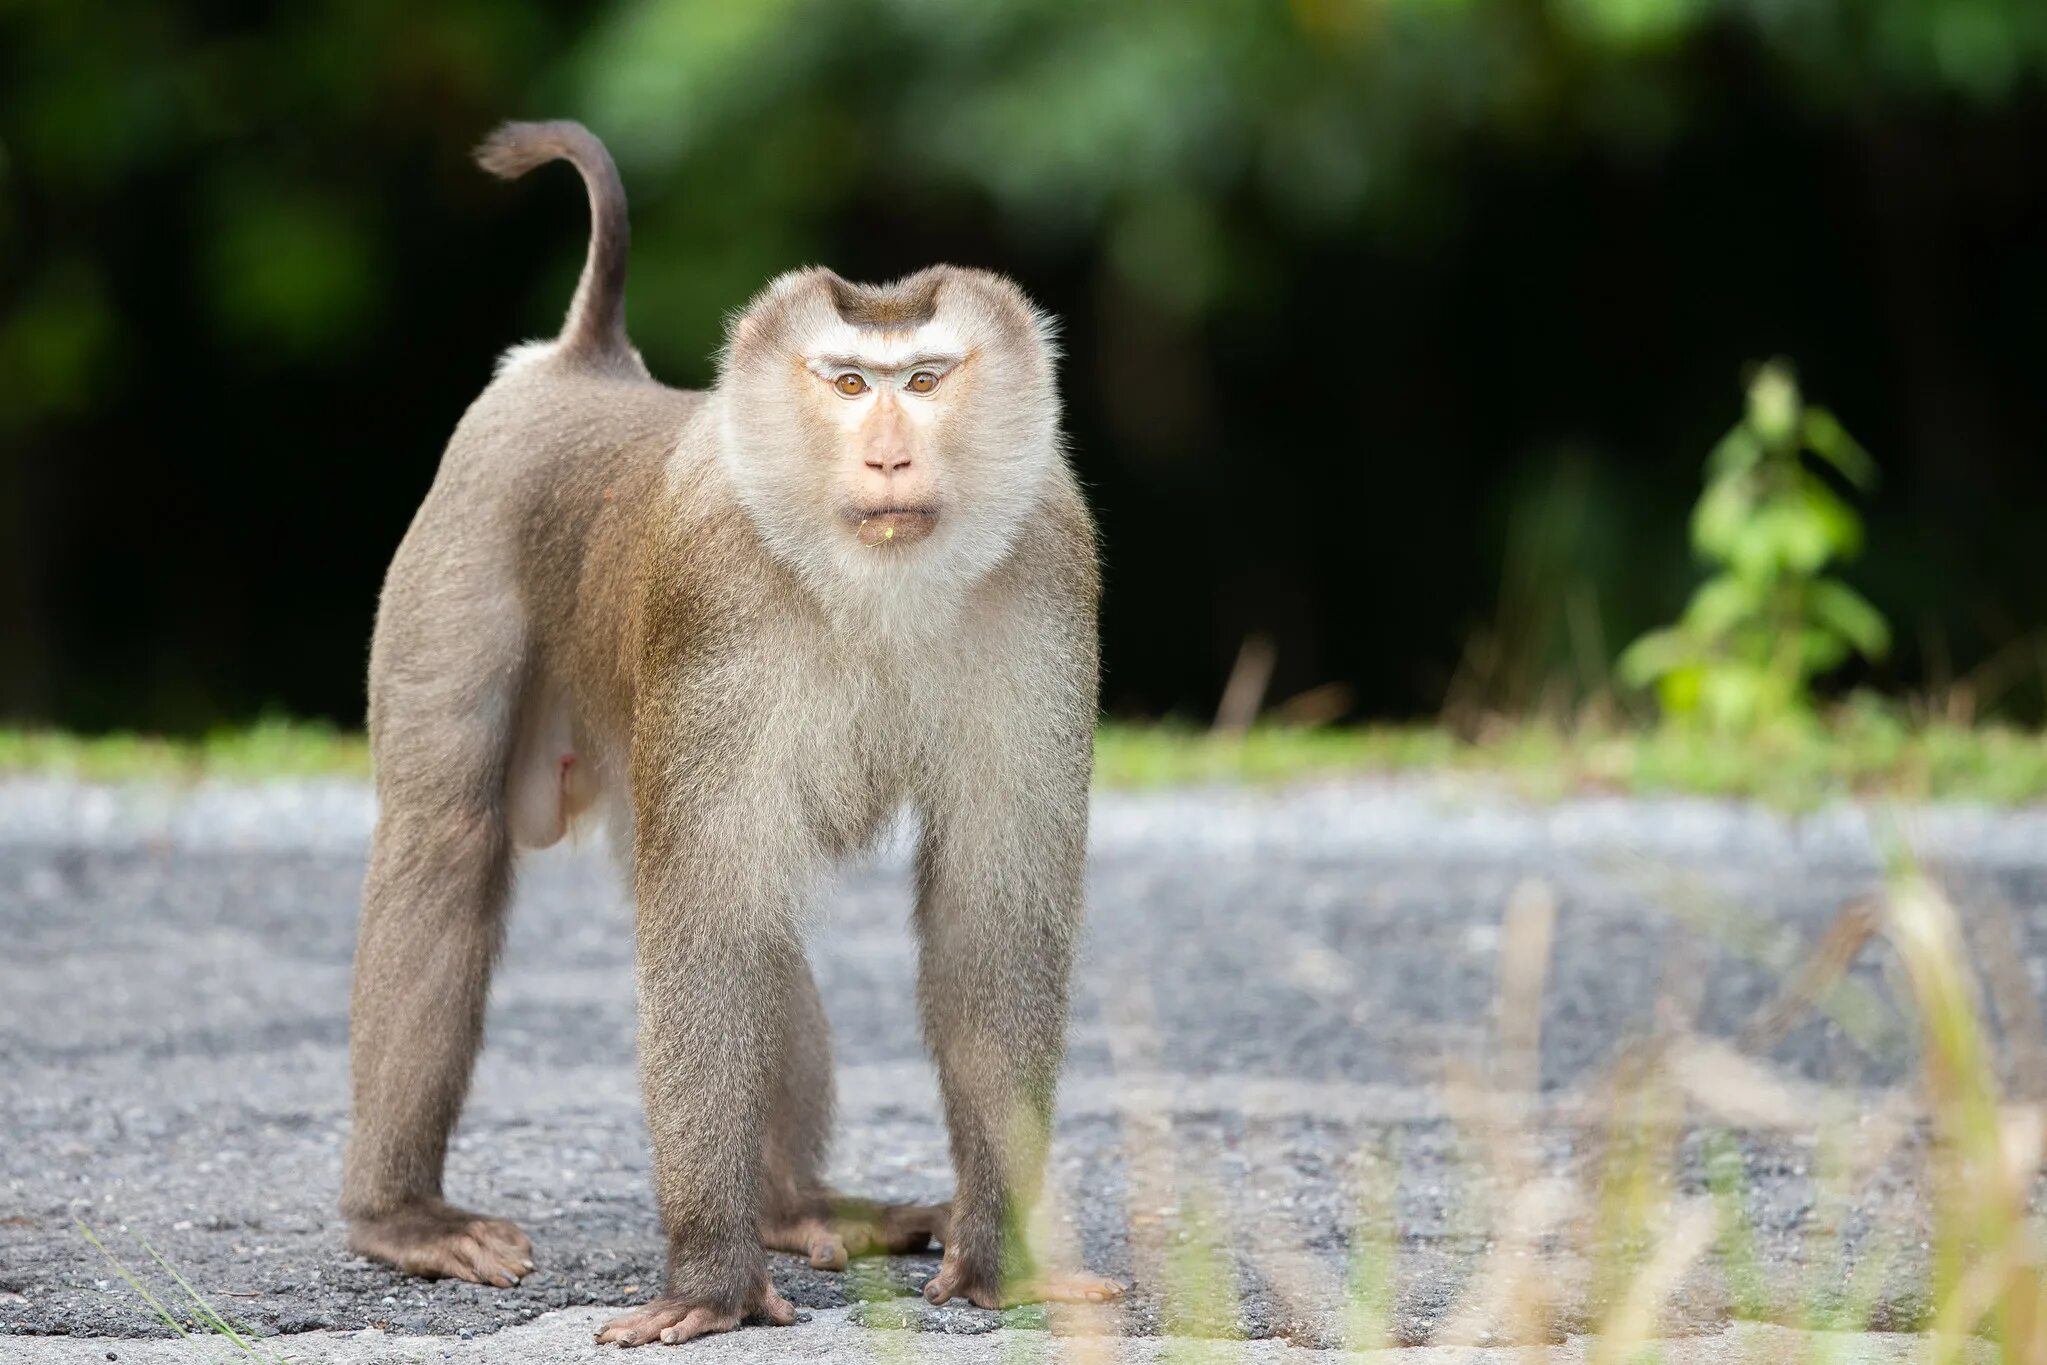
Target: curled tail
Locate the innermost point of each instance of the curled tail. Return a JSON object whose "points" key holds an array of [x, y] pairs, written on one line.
{"points": [[596, 321]]}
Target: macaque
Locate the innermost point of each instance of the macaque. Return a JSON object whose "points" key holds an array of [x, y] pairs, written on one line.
{"points": [[744, 627]]}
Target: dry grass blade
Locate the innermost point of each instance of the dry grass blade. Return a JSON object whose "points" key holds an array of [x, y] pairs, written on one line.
{"points": [[155, 1304], [208, 1314], [1149, 1177], [1634, 1318], [1508, 1296], [1816, 977], [1244, 694], [1374, 1251], [1507, 1299], [2018, 1010], [1741, 1091], [1987, 1260], [1527, 936]]}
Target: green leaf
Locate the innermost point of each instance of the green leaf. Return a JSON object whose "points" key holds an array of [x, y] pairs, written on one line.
{"points": [[1828, 439], [1850, 615], [1722, 511], [1821, 651], [1773, 405], [1679, 690], [1840, 523], [1652, 657], [1737, 453], [1758, 548], [1721, 603], [1730, 695], [1790, 536]]}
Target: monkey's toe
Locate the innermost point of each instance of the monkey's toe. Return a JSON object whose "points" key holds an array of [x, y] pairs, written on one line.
{"points": [[440, 1242], [958, 1279], [1074, 1288], [835, 1230], [672, 1321]]}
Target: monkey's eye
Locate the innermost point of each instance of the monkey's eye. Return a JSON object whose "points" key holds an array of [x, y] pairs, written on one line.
{"points": [[924, 381], [850, 384]]}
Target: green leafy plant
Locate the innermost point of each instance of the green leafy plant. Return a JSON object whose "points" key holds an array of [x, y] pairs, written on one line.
{"points": [[1770, 619]]}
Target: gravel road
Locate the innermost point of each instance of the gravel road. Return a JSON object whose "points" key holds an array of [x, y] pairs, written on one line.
{"points": [[1279, 993]]}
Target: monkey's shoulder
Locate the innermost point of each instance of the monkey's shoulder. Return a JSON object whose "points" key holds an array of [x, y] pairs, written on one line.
{"points": [[1057, 550]]}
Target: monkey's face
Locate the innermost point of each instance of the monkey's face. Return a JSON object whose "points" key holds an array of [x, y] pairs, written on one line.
{"points": [[890, 437], [889, 398]]}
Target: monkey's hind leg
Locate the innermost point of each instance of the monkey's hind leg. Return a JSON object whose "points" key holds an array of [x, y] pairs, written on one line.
{"points": [[432, 923], [799, 1214]]}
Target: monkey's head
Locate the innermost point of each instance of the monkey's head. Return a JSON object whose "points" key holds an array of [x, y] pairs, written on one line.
{"points": [[890, 438]]}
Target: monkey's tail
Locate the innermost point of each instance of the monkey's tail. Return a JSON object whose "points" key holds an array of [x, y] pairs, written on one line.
{"points": [[596, 321]]}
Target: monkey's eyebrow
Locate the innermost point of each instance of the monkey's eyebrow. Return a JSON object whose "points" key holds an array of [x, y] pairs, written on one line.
{"points": [[940, 360]]}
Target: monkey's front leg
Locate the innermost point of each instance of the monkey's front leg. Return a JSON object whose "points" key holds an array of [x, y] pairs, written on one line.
{"points": [[998, 910], [718, 957]]}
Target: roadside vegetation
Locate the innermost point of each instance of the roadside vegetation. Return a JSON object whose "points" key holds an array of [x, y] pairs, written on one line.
{"points": [[1606, 1251], [1863, 751]]}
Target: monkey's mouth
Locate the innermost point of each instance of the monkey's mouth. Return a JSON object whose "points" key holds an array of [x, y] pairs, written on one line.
{"points": [[885, 526]]}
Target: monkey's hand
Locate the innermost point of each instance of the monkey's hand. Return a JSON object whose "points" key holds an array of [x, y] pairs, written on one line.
{"points": [[672, 1321], [980, 1286], [438, 1241], [833, 1229]]}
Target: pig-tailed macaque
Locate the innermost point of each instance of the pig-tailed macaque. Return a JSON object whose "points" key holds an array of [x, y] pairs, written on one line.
{"points": [[745, 626]]}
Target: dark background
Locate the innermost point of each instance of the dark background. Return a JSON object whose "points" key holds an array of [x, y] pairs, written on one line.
{"points": [[1397, 330]]}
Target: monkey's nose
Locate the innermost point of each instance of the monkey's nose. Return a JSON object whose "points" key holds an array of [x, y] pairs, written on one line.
{"points": [[889, 462]]}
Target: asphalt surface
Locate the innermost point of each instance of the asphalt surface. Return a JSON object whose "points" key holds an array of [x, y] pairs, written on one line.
{"points": [[1279, 1001]]}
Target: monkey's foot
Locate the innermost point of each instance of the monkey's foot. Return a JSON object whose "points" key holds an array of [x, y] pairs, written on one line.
{"points": [[957, 1279], [441, 1242], [672, 1321], [833, 1230]]}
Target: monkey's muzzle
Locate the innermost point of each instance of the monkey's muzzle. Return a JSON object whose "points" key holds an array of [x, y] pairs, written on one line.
{"points": [[894, 526]]}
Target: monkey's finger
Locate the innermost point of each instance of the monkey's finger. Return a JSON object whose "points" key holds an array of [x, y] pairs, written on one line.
{"points": [[777, 1309], [827, 1250], [700, 1322], [506, 1244], [476, 1262], [940, 1288], [642, 1325], [506, 1239], [626, 1336], [1074, 1288], [479, 1268], [950, 1284], [447, 1259]]}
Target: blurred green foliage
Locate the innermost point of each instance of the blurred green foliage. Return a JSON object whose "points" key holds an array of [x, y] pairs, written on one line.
{"points": [[1173, 128], [1770, 619]]}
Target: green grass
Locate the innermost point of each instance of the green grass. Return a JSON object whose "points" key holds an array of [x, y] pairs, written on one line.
{"points": [[1863, 750], [270, 748]]}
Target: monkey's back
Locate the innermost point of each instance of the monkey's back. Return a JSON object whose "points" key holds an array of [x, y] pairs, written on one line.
{"points": [[533, 526]]}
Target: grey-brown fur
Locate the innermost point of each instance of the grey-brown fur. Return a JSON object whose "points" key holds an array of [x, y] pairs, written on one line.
{"points": [[596, 323], [613, 568]]}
